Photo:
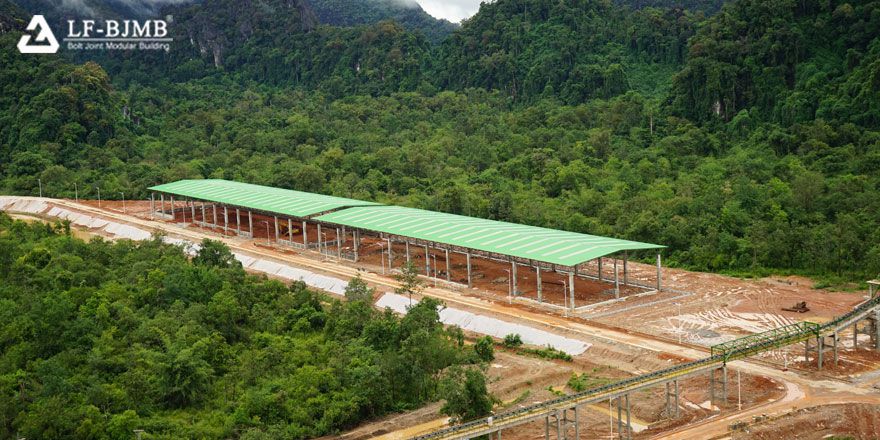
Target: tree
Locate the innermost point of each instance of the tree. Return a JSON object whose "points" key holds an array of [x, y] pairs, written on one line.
{"points": [[409, 281], [215, 254], [512, 340], [358, 290], [465, 394], [485, 349]]}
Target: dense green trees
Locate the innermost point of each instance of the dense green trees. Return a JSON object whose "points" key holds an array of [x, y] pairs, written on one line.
{"points": [[782, 179], [98, 339]]}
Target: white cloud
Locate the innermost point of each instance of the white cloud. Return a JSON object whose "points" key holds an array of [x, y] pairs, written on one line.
{"points": [[452, 10]]}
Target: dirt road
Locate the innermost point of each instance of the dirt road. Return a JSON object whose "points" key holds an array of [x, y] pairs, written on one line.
{"points": [[800, 391]]}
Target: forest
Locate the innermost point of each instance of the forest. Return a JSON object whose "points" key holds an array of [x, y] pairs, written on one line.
{"points": [[98, 339], [746, 138]]}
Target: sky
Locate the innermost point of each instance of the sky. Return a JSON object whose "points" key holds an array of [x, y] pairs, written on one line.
{"points": [[452, 10]]}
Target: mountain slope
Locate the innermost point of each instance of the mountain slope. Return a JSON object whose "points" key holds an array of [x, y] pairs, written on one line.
{"points": [[406, 12], [784, 60], [571, 49]]}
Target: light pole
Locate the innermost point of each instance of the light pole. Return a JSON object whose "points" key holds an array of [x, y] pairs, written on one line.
{"points": [[681, 327], [123, 203]]}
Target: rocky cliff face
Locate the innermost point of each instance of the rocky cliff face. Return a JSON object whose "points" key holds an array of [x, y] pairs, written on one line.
{"points": [[214, 27]]}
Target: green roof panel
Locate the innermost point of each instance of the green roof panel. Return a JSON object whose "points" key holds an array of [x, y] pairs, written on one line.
{"points": [[529, 242], [260, 198]]}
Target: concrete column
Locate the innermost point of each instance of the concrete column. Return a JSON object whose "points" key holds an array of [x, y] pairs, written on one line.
{"points": [[470, 284], [659, 273], [152, 205], [625, 272], [834, 335], [540, 287], [448, 266], [877, 329], [619, 417], [162, 201], [856, 335], [600, 269], [724, 384], [513, 277], [276, 228], [251, 224], [676, 397], [225, 219], [305, 235], [427, 262], [338, 245], [237, 221], [571, 288], [320, 239]]}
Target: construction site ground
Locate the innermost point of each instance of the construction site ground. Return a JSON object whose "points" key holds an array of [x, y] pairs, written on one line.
{"points": [[634, 336]]}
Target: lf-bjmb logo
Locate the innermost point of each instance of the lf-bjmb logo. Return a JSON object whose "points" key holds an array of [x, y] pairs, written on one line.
{"points": [[46, 39]]}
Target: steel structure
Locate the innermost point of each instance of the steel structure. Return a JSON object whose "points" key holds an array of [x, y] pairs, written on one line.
{"points": [[721, 355], [227, 205]]}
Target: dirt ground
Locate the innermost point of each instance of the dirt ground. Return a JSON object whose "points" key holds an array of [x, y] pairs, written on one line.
{"points": [[857, 421], [701, 309]]}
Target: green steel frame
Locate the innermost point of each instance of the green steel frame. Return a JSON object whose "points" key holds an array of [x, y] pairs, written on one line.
{"points": [[758, 342]]}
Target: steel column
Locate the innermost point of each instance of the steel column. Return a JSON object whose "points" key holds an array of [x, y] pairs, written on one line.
{"points": [[676, 397], [427, 262], [237, 221], [625, 272], [251, 224], [616, 281], [338, 245], [856, 335], [629, 428], [162, 199], [173, 215], [834, 335], [659, 273], [513, 278], [538, 278], [204, 216], [225, 219], [357, 244], [600, 269], [390, 256], [305, 235], [877, 329], [407, 251], [468, 254], [152, 205], [571, 288], [290, 230], [192, 206], [448, 267], [214, 213], [276, 228], [320, 239], [820, 344]]}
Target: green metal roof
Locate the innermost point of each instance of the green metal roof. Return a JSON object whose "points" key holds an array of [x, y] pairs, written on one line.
{"points": [[529, 242], [256, 197]]}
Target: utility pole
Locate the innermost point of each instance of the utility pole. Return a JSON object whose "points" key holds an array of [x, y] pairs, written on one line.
{"points": [[739, 402]]}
